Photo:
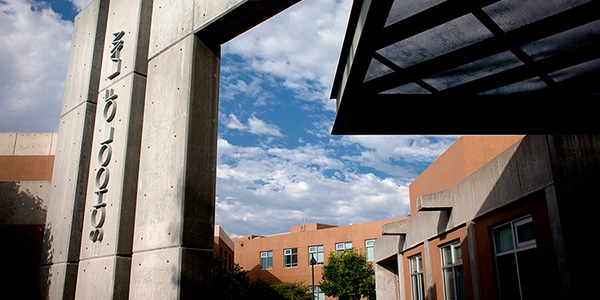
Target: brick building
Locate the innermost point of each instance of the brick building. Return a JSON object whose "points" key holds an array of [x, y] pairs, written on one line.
{"points": [[286, 257]]}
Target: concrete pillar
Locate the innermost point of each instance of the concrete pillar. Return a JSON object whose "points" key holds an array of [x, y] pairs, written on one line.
{"points": [[64, 219], [106, 247], [174, 235]]}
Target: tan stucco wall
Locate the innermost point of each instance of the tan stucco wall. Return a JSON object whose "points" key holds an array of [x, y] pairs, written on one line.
{"points": [[460, 160], [248, 255]]}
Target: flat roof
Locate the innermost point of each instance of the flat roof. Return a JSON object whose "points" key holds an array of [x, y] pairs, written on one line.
{"points": [[469, 67]]}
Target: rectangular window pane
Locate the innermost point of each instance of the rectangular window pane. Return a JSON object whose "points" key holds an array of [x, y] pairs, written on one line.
{"points": [[457, 253], [370, 245], [340, 247], [524, 233], [529, 274], [290, 257], [507, 277], [416, 277], [317, 252], [449, 284], [446, 256], [452, 272], [266, 260], [504, 238], [517, 267]]}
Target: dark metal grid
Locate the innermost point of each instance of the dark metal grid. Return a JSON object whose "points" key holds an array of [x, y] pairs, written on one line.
{"points": [[546, 71]]}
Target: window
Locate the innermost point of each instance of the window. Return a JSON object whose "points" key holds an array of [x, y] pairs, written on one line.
{"points": [[318, 294], [290, 257], [452, 272], [516, 260], [417, 286], [266, 260], [341, 247], [370, 246], [317, 252]]}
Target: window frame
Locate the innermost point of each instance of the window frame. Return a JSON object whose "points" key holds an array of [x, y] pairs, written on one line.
{"points": [[370, 250], [516, 283], [344, 246], [290, 257], [319, 251], [454, 265], [266, 260], [417, 278]]}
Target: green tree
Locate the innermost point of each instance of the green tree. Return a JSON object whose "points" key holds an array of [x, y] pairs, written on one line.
{"points": [[348, 276], [293, 291]]}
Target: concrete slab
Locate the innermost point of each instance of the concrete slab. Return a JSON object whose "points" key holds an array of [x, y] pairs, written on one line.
{"points": [[33, 143], [162, 274], [83, 71], [171, 22], [7, 143], [163, 152], [59, 279], [103, 278], [126, 42], [69, 182]]}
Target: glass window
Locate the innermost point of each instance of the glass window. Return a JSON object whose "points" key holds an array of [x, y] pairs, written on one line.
{"points": [[417, 286], [290, 257], [318, 294], [370, 246], [266, 260], [341, 247], [452, 272], [316, 252], [516, 260]]}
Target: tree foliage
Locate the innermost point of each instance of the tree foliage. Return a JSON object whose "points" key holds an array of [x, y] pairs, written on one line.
{"points": [[233, 283], [293, 291], [348, 276]]}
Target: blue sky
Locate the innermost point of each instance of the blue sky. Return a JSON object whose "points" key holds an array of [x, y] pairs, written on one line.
{"points": [[277, 161]]}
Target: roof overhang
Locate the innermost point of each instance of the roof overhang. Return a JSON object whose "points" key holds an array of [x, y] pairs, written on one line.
{"points": [[469, 67]]}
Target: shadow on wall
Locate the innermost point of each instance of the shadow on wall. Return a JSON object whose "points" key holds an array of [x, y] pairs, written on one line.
{"points": [[22, 217], [256, 272]]}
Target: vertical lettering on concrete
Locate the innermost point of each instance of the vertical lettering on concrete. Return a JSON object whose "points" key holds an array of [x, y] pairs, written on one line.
{"points": [[115, 53], [109, 110]]}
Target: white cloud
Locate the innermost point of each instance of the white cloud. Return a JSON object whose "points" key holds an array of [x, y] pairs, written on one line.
{"points": [[259, 127], [255, 126], [80, 4], [274, 188], [384, 153], [301, 46], [33, 57]]}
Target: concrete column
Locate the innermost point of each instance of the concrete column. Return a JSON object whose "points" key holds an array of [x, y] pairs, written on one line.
{"points": [[106, 241], [174, 235], [64, 219]]}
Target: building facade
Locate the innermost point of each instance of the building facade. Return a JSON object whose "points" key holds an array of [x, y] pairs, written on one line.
{"points": [[509, 229], [26, 163], [286, 257]]}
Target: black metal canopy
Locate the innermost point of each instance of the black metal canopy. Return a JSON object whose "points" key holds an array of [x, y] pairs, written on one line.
{"points": [[469, 67]]}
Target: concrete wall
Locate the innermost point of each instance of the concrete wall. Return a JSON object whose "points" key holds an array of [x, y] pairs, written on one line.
{"points": [[543, 176]]}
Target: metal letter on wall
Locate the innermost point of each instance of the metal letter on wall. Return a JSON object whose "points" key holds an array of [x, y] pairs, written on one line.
{"points": [[115, 53]]}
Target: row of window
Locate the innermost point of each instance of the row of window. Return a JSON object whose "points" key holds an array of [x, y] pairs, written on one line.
{"points": [[290, 255], [514, 243]]}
